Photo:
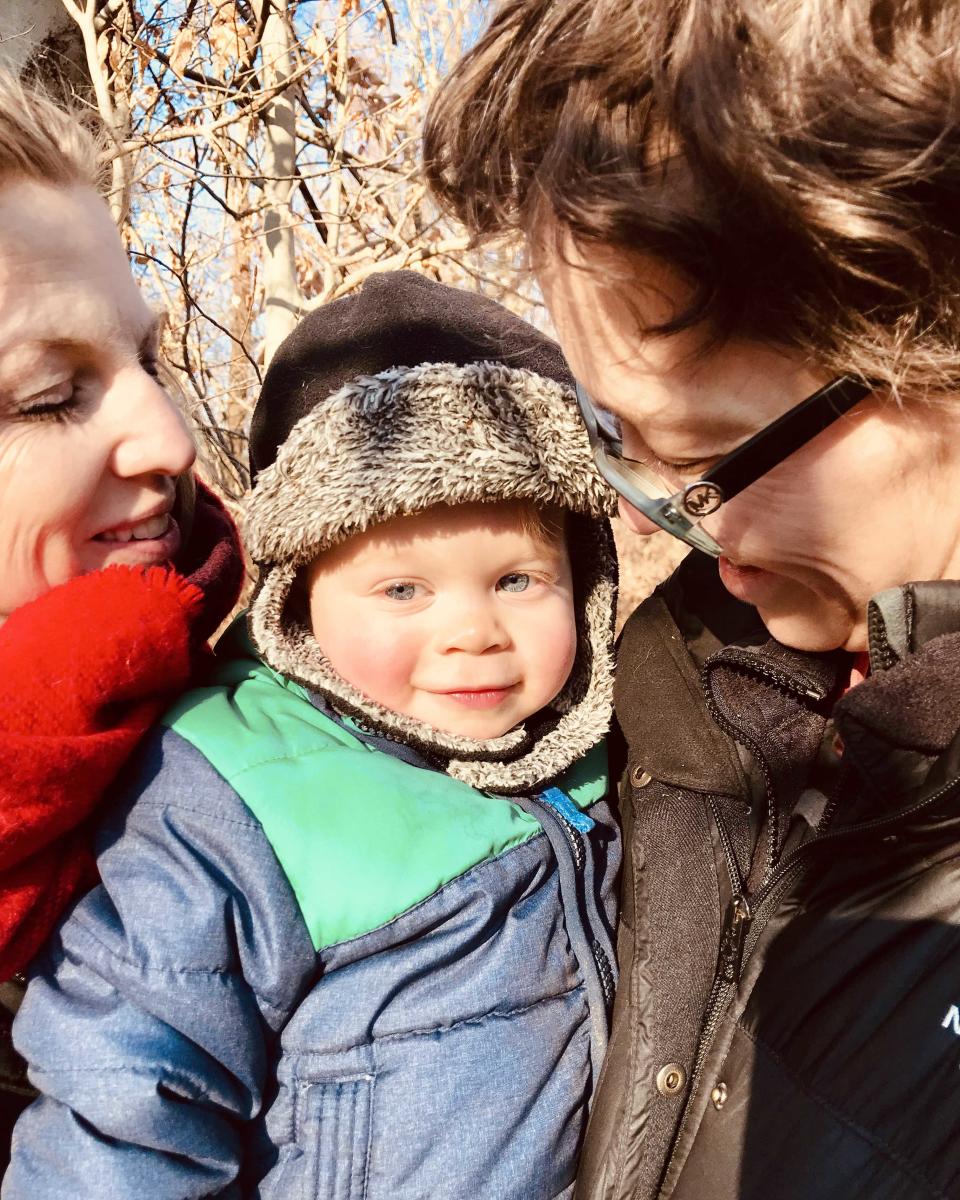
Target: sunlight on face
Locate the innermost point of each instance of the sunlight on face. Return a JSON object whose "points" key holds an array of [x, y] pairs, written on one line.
{"points": [[868, 504], [90, 443], [458, 617]]}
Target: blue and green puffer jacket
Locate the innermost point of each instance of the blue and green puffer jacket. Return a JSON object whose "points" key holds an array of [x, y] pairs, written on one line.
{"points": [[317, 966]]}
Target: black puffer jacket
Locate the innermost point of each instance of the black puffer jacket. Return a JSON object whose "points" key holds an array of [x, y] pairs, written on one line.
{"points": [[788, 1020]]}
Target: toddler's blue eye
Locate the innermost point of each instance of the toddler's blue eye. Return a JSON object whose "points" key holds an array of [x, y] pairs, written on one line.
{"points": [[516, 581], [401, 591]]}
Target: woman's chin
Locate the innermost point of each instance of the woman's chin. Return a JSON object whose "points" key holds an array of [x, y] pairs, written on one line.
{"points": [[816, 629], [815, 615]]}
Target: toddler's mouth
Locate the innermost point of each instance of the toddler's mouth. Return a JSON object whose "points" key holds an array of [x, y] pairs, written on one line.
{"points": [[480, 697]]}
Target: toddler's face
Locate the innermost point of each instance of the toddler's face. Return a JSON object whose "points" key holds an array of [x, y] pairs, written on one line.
{"points": [[458, 617]]}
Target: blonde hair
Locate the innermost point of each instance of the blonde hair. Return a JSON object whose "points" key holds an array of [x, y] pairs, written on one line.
{"points": [[42, 141], [546, 524]]}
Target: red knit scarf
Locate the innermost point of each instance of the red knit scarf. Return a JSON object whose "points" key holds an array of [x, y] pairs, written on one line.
{"points": [[84, 672]]}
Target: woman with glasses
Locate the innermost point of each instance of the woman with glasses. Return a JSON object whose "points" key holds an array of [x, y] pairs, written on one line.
{"points": [[745, 221]]}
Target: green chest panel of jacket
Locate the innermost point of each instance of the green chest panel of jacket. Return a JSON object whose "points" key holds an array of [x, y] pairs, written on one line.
{"points": [[361, 836]]}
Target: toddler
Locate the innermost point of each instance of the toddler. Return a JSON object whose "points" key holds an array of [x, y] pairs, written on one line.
{"points": [[354, 932]]}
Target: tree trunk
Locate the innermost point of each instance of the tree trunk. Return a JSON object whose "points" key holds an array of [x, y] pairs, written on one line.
{"points": [[282, 298], [38, 39]]}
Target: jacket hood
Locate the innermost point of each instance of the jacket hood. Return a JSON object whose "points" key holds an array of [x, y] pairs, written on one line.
{"points": [[398, 442]]}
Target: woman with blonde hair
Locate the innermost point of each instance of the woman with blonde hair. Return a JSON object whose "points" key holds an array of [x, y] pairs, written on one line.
{"points": [[114, 567]]}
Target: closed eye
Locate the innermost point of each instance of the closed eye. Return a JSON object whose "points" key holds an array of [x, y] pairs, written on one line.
{"points": [[696, 467], [149, 350], [665, 466], [56, 403]]}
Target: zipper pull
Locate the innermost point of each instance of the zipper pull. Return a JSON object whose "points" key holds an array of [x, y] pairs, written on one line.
{"points": [[734, 933]]}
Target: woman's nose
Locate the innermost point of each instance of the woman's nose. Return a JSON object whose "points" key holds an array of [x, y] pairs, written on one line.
{"points": [[151, 436]]}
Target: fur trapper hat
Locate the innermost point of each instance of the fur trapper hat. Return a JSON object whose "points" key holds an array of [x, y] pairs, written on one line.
{"points": [[406, 395]]}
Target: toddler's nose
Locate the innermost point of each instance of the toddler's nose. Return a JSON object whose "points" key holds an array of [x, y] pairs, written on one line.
{"points": [[476, 632]]}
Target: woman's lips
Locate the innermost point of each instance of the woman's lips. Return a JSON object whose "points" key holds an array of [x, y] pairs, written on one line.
{"points": [[161, 543], [480, 697], [752, 585]]}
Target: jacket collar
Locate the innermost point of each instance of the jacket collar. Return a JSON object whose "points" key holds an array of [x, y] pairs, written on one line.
{"points": [[902, 620], [899, 727], [659, 699]]}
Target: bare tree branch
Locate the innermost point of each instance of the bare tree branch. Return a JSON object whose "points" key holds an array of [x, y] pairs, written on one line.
{"points": [[269, 150]]}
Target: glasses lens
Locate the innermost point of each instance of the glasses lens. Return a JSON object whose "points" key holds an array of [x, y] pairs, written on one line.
{"points": [[652, 496], [602, 425], [609, 425], [647, 481], [644, 489]]}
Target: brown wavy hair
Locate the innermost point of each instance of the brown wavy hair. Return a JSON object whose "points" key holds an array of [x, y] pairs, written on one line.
{"points": [[798, 161]]}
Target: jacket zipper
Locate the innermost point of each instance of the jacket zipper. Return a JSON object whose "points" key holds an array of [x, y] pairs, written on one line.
{"points": [[743, 916], [782, 681], [578, 850], [742, 908], [741, 912]]}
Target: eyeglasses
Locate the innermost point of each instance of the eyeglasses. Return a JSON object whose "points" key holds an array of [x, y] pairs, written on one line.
{"points": [[680, 512]]}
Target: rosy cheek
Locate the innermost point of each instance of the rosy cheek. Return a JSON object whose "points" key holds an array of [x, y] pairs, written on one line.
{"points": [[379, 663], [565, 652], [547, 641]]}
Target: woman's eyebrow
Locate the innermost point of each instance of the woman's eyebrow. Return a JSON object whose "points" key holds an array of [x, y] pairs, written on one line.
{"points": [[723, 428], [35, 364]]}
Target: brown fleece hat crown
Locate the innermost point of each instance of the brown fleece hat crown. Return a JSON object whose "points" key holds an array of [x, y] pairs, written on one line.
{"points": [[397, 319]]}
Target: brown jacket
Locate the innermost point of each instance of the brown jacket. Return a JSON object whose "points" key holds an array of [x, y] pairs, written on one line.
{"points": [[787, 1025]]}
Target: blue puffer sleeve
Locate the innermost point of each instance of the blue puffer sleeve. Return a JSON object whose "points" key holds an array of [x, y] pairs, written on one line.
{"points": [[148, 1026]]}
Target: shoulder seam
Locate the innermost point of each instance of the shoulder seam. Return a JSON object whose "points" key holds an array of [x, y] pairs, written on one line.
{"points": [[85, 930], [528, 841], [291, 757]]}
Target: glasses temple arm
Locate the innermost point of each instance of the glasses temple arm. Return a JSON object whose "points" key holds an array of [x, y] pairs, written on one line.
{"points": [[777, 441]]}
